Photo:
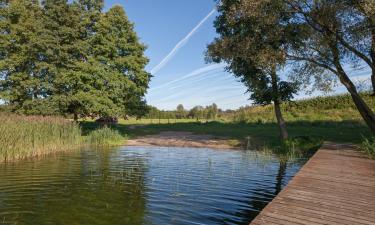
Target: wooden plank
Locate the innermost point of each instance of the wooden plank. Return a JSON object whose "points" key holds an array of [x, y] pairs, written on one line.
{"points": [[336, 186]]}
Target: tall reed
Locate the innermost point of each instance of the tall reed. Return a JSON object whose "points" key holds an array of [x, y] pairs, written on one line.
{"points": [[23, 137], [105, 136]]}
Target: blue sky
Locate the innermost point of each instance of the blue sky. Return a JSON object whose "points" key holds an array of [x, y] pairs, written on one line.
{"points": [[177, 33]]}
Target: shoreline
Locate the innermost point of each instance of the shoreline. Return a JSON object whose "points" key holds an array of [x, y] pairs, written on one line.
{"points": [[183, 139]]}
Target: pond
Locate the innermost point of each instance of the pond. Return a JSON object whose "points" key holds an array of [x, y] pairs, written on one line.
{"points": [[142, 185]]}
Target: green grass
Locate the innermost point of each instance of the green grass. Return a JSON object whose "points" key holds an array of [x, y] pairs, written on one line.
{"points": [[105, 136], [309, 123], [31, 136], [24, 137], [368, 147], [336, 108], [333, 118], [260, 134]]}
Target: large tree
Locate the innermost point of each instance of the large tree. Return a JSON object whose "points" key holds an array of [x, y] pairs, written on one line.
{"points": [[358, 33], [23, 77], [75, 59], [251, 42], [331, 35], [180, 111]]}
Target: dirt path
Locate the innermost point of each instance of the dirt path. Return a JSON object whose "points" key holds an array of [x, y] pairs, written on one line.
{"points": [[181, 139]]}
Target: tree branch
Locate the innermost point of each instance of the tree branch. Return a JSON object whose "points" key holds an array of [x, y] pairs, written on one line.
{"points": [[313, 22], [300, 58]]}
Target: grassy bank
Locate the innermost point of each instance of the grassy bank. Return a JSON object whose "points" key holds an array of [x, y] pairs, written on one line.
{"points": [[105, 136], [23, 137], [30, 136], [338, 108], [268, 133], [368, 147], [333, 118]]}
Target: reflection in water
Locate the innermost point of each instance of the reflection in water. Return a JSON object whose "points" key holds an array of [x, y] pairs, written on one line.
{"points": [[137, 185]]}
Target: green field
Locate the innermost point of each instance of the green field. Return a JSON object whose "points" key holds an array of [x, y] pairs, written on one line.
{"points": [[333, 118]]}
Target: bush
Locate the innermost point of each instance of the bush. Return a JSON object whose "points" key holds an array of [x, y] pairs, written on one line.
{"points": [[105, 137], [368, 147]]}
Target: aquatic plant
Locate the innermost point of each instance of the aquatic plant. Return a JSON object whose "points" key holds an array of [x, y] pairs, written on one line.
{"points": [[105, 136], [23, 137], [293, 148], [368, 147]]}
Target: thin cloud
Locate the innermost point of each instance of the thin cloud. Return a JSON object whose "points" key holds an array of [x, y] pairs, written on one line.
{"points": [[201, 71], [180, 44]]}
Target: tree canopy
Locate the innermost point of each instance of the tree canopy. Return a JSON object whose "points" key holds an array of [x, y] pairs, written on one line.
{"points": [[63, 57], [252, 43], [318, 40], [332, 35]]}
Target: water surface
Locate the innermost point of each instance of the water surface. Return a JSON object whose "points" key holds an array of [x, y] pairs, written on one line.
{"points": [[142, 185]]}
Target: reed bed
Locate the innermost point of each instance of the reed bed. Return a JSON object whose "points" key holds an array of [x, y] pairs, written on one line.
{"points": [[30, 136]]}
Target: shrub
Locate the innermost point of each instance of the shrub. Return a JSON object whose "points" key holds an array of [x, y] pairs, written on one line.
{"points": [[368, 147], [105, 137]]}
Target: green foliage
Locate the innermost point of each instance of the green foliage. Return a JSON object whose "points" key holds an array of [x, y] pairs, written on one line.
{"points": [[293, 148], [368, 147], [63, 57], [180, 111], [22, 36], [23, 137], [105, 136], [318, 110], [303, 143], [210, 112], [251, 43]]}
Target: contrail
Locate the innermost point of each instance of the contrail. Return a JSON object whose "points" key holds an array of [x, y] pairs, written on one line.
{"points": [[197, 72], [180, 44]]}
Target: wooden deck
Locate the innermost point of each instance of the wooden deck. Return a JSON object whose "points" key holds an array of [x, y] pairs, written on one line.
{"points": [[336, 186]]}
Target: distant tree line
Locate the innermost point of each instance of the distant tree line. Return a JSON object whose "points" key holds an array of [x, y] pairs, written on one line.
{"points": [[69, 57], [210, 112]]}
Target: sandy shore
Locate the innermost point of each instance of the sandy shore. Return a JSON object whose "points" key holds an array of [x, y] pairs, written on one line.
{"points": [[181, 139]]}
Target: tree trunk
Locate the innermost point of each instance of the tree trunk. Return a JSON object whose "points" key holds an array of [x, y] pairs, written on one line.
{"points": [[75, 117], [372, 53], [276, 100], [280, 121], [365, 111]]}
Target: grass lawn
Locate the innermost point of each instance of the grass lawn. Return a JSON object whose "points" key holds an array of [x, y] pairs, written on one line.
{"points": [[268, 133], [332, 118]]}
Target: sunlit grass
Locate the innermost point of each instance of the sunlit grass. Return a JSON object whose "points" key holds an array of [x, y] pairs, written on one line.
{"points": [[105, 136], [23, 137], [31, 136], [368, 147], [318, 110]]}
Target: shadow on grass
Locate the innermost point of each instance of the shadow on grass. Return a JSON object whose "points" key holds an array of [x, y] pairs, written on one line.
{"points": [[258, 133]]}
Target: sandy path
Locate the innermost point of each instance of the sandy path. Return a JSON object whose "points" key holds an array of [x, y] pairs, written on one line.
{"points": [[181, 139]]}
